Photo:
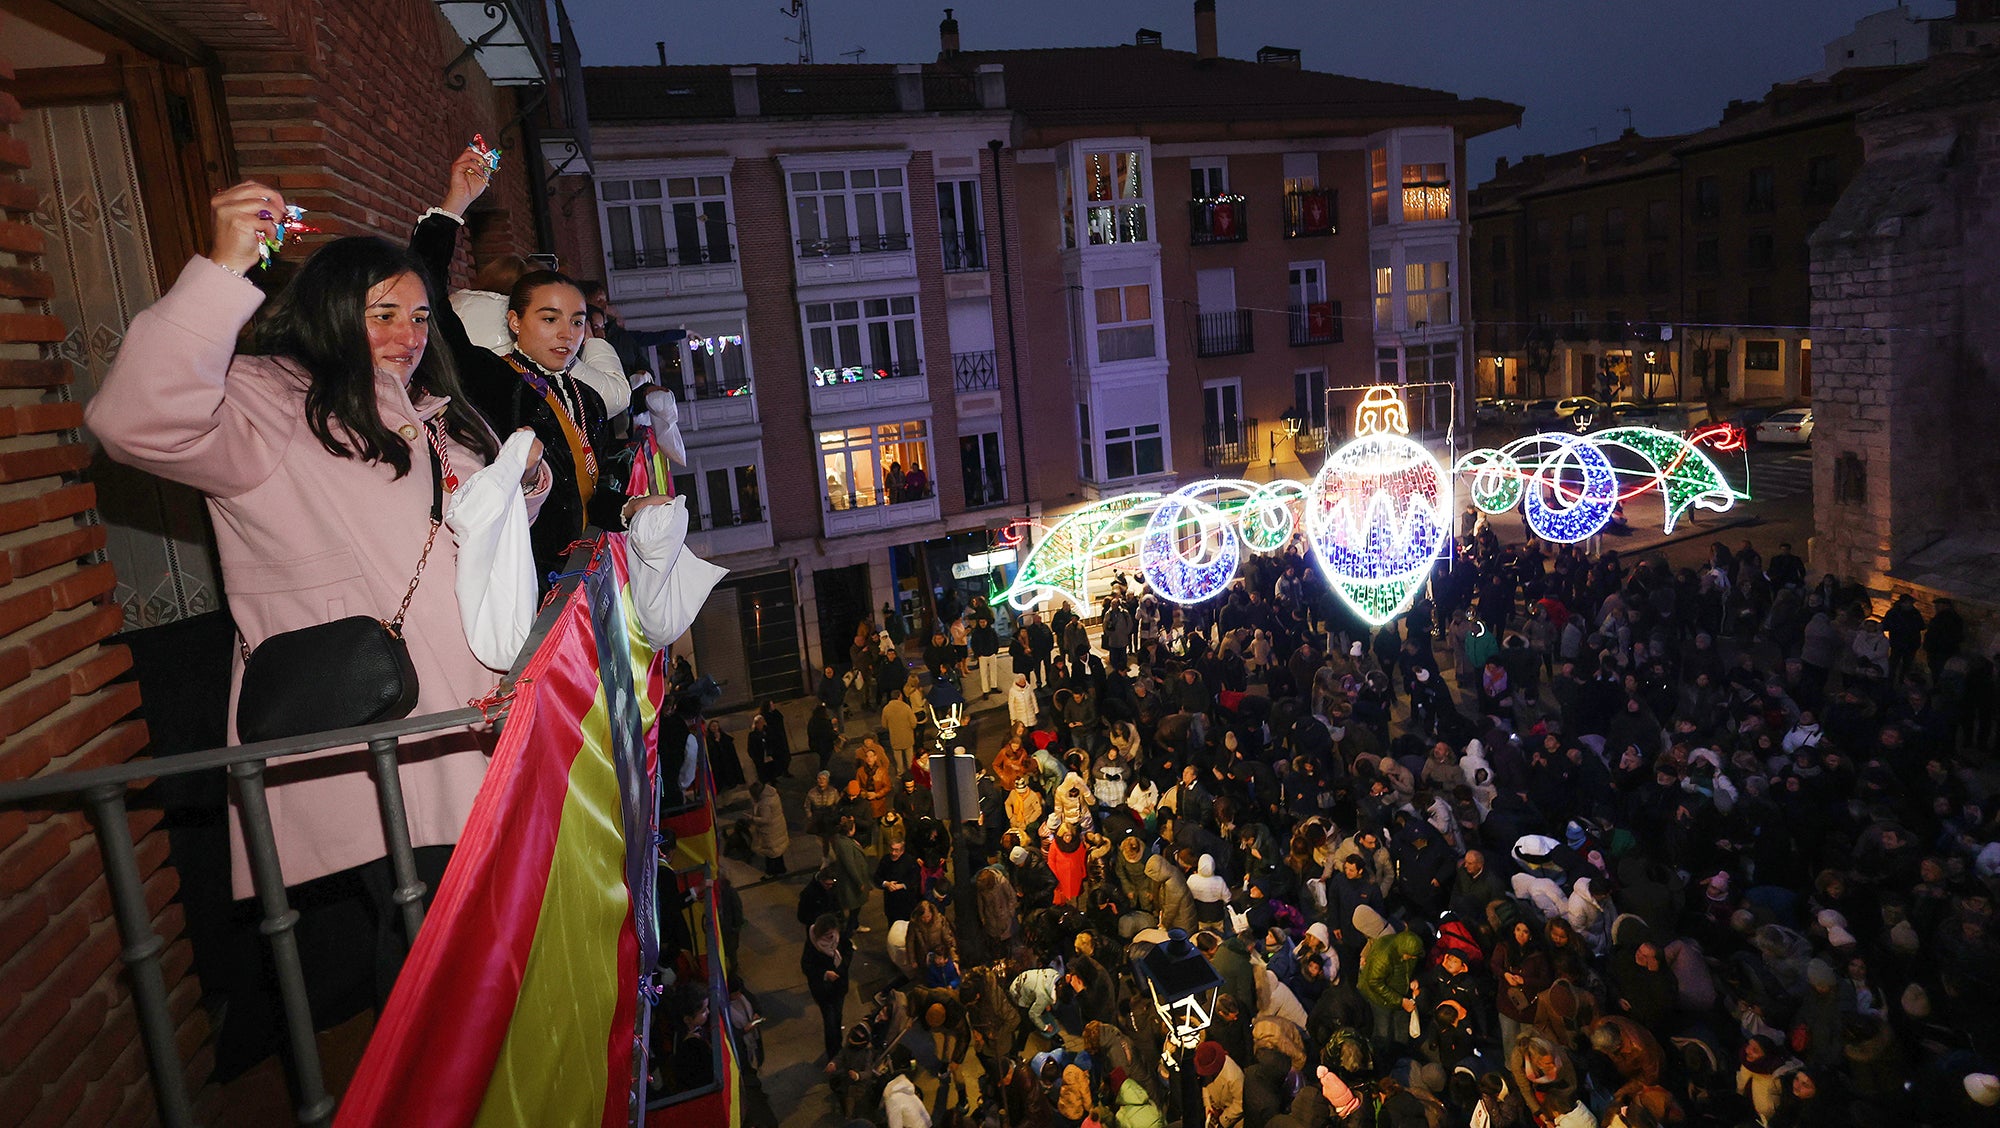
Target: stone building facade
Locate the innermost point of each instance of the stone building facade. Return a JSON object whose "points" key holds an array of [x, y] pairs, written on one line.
{"points": [[1904, 282]]}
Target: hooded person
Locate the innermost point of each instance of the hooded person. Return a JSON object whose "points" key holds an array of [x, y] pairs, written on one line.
{"points": [[1221, 1084], [1136, 1109], [1170, 895], [1211, 895], [1128, 871], [999, 905], [1389, 962]]}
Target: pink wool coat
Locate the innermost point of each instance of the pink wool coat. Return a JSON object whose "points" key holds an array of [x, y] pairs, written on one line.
{"points": [[305, 537]]}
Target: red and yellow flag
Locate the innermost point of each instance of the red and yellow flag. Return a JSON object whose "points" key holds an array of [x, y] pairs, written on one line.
{"points": [[520, 1001]]}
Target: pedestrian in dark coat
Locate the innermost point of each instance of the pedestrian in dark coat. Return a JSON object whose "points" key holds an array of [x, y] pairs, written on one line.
{"points": [[824, 962]]}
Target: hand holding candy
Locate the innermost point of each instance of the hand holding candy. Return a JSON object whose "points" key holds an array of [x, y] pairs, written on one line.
{"points": [[292, 224], [490, 156], [470, 175], [245, 216]]}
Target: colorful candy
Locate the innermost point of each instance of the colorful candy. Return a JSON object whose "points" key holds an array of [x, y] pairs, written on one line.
{"points": [[490, 156], [292, 224]]}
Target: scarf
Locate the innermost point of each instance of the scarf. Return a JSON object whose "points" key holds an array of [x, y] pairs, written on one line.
{"points": [[565, 400], [828, 942]]}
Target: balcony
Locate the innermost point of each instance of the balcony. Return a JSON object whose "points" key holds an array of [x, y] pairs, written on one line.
{"points": [[974, 372], [845, 259], [1232, 442], [691, 267], [721, 533], [964, 251], [1315, 323], [1310, 212], [859, 387], [857, 515], [1223, 333], [1310, 440], [1219, 219]]}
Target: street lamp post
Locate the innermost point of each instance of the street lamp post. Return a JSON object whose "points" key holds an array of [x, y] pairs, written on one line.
{"points": [[1183, 986]]}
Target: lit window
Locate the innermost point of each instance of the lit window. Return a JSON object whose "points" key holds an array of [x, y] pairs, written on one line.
{"points": [[867, 339], [1124, 322], [883, 464], [1114, 185], [1385, 294], [1427, 293], [709, 364], [1426, 192], [1378, 186]]}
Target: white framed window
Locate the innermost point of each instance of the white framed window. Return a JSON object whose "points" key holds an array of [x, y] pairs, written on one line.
{"points": [[723, 488], [1124, 317], [1116, 190], [1132, 452], [1309, 397], [1085, 444], [959, 225], [842, 211], [712, 363], [980, 462], [1384, 276], [668, 220], [1222, 412], [1307, 282], [875, 464], [1301, 172], [863, 339], [1426, 191], [1208, 178], [1427, 293]]}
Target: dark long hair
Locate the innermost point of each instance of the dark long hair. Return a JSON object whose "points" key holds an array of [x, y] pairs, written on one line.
{"points": [[318, 324]]}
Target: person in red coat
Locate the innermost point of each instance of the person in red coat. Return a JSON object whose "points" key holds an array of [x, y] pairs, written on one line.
{"points": [[1069, 860]]}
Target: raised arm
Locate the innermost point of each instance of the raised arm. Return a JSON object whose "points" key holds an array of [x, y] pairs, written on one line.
{"points": [[169, 405]]}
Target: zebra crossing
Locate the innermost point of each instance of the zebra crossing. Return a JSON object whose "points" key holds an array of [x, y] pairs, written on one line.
{"points": [[1781, 476]]}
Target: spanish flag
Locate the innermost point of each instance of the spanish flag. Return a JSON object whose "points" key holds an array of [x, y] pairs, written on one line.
{"points": [[521, 1002]]}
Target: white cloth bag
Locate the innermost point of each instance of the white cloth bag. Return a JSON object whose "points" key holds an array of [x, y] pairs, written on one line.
{"points": [[669, 583], [488, 517]]}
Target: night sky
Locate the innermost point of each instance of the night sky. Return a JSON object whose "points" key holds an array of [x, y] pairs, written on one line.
{"points": [[1572, 63]]}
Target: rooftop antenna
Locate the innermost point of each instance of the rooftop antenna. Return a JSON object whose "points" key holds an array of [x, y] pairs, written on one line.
{"points": [[1627, 111], [1593, 134], [854, 54], [799, 12]]}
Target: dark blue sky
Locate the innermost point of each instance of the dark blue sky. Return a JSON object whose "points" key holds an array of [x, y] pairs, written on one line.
{"points": [[1572, 63]]}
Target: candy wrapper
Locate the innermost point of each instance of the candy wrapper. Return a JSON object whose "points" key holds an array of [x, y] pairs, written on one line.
{"points": [[293, 223], [490, 156]]}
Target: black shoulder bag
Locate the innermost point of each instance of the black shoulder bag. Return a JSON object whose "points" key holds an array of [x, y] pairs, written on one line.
{"points": [[352, 671]]}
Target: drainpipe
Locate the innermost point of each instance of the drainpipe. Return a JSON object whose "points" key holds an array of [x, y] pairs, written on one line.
{"points": [[1013, 346]]}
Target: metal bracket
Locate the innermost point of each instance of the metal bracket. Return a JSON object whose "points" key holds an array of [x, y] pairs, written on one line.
{"points": [[513, 125], [454, 78]]}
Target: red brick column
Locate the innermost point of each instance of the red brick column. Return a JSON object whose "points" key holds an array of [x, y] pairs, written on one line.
{"points": [[69, 1046]]}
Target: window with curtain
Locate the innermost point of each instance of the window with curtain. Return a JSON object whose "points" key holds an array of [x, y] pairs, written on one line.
{"points": [[880, 464], [1426, 192], [1115, 189], [862, 339], [1124, 322]]}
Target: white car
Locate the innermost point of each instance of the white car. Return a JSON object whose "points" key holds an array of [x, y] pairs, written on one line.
{"points": [[1793, 425]]}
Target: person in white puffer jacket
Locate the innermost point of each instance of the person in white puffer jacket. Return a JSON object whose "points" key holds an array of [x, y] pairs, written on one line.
{"points": [[1210, 893]]}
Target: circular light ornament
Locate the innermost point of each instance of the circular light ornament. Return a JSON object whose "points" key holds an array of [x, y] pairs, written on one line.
{"points": [[1179, 517], [1377, 515], [1591, 508], [1496, 480]]}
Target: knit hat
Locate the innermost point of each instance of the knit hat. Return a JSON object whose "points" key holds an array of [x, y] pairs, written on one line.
{"points": [[1337, 1093], [1573, 835], [1018, 856], [1317, 930], [1371, 923], [1983, 1088], [1208, 1059], [1820, 974], [854, 789]]}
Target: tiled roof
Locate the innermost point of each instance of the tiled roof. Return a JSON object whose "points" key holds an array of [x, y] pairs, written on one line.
{"points": [[1795, 105], [1067, 86], [1084, 85]]}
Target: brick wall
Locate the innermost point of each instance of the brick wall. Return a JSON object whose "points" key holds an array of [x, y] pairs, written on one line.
{"points": [[764, 248], [69, 1049]]}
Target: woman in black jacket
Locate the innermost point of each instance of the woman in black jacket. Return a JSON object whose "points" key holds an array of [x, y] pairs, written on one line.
{"points": [[825, 962]]}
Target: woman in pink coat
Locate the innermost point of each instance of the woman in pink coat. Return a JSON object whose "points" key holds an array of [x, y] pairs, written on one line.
{"points": [[310, 448]]}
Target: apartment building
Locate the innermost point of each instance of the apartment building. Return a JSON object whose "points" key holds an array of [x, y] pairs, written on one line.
{"points": [[927, 302], [1668, 267]]}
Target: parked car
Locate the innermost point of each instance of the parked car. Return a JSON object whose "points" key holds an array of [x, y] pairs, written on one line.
{"points": [[1572, 404], [1792, 425], [1541, 413], [1497, 409]]}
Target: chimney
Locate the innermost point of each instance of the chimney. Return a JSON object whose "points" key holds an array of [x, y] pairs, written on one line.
{"points": [[948, 36], [1204, 29], [1500, 166], [910, 87], [660, 45], [743, 91], [1147, 37]]}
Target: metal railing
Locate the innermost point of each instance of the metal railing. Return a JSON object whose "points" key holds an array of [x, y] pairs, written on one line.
{"points": [[1315, 323], [855, 245], [653, 258], [103, 794], [1223, 333], [724, 518], [974, 371], [964, 251], [1219, 219], [718, 984], [1232, 442], [1310, 212]]}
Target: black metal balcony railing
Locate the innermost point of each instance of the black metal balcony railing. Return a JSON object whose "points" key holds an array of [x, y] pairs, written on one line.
{"points": [[1310, 212], [715, 389], [964, 251], [974, 371], [1231, 442], [1311, 438], [860, 373], [1223, 333], [855, 245], [1219, 219], [688, 254], [1315, 323]]}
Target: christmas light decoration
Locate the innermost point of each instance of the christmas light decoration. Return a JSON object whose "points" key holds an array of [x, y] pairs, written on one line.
{"points": [[1589, 475], [1178, 519], [1377, 514]]}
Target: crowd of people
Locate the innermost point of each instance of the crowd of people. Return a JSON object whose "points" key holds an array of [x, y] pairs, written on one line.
{"points": [[1575, 841]]}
